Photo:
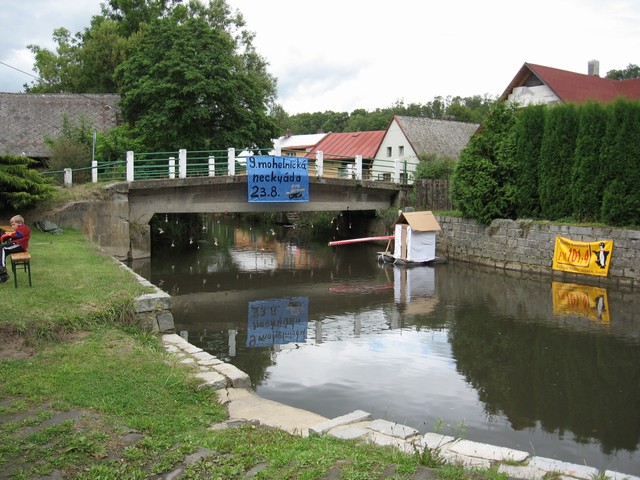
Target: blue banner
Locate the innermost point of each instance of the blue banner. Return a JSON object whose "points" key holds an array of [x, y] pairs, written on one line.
{"points": [[277, 179], [277, 321]]}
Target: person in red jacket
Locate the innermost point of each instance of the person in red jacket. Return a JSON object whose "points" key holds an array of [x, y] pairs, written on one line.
{"points": [[14, 242]]}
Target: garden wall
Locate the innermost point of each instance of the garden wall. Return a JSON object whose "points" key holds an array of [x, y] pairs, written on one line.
{"points": [[523, 245]]}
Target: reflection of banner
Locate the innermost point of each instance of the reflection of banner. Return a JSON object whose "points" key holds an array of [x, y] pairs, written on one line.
{"points": [[590, 258], [277, 179], [277, 321], [573, 299]]}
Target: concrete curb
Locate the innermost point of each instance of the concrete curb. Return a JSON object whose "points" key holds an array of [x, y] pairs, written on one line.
{"points": [[233, 389]]}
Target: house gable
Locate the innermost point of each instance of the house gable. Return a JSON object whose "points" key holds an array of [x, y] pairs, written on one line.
{"points": [[27, 118], [536, 84]]}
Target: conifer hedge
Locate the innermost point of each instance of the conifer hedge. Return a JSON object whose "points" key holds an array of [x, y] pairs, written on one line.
{"points": [[21, 186], [569, 162]]}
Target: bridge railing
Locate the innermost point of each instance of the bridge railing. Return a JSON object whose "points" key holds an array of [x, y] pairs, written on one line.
{"points": [[212, 163]]}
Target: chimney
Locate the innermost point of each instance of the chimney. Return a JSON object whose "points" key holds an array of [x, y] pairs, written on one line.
{"points": [[594, 68]]}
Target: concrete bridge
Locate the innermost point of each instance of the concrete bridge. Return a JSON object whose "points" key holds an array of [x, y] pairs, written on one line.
{"points": [[119, 220]]}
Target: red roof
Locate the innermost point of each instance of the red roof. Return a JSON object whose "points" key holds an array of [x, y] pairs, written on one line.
{"points": [[349, 144], [576, 87]]}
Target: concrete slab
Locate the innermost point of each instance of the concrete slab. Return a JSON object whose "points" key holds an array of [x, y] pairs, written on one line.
{"points": [[393, 429], [433, 440], [570, 469], [211, 380], [523, 472], [237, 378], [353, 417], [243, 403], [348, 433], [490, 452]]}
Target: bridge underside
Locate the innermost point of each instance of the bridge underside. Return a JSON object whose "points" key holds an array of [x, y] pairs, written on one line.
{"points": [[229, 194]]}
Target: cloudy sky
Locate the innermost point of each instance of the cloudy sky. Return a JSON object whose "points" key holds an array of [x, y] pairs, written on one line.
{"points": [[345, 54]]}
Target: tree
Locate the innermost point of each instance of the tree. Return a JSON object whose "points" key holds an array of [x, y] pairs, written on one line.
{"points": [[588, 176], [483, 181], [433, 167], [20, 185], [621, 157], [59, 71], [632, 71], [184, 85], [556, 161], [527, 133]]}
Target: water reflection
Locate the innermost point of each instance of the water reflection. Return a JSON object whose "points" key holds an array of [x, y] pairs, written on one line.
{"points": [[504, 358]]}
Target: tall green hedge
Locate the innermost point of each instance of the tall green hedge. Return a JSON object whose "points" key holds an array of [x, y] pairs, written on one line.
{"points": [[621, 160], [527, 133], [555, 162], [588, 183]]}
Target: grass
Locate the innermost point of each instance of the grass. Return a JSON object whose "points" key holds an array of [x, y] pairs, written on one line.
{"points": [[73, 286], [96, 398]]}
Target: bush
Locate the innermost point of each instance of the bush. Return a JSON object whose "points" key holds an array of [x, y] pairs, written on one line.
{"points": [[432, 167], [20, 185]]}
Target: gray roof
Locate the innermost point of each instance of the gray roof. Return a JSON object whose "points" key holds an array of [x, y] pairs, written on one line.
{"points": [[26, 118], [441, 137]]}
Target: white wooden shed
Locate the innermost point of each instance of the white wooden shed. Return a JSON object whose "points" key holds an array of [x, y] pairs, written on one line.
{"points": [[415, 237]]}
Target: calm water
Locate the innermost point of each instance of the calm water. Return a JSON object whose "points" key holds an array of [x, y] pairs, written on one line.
{"points": [[511, 360]]}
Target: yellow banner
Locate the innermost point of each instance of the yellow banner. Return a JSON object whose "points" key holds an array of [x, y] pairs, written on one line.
{"points": [[590, 258], [573, 299]]}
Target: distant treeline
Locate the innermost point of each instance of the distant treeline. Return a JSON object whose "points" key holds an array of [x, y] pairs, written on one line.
{"points": [[463, 109]]}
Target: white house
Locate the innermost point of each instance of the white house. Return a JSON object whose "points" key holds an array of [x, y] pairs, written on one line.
{"points": [[408, 137]]}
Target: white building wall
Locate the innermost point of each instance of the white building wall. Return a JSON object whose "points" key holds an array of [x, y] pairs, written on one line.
{"points": [[533, 96], [395, 140]]}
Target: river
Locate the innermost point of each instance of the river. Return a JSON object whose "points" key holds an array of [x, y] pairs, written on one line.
{"points": [[509, 359]]}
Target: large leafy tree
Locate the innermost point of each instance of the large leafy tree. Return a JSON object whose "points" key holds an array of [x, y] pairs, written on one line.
{"points": [[184, 86], [632, 71]]}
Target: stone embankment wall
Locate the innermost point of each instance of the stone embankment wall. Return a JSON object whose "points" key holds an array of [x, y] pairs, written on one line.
{"points": [[152, 310], [523, 245]]}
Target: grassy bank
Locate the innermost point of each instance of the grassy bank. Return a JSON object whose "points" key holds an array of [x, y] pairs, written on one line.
{"points": [[84, 394]]}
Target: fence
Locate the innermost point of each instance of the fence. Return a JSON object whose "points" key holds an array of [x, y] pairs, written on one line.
{"points": [[433, 195], [211, 163]]}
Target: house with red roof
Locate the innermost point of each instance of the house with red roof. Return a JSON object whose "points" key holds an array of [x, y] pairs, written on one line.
{"points": [[537, 84], [340, 150]]}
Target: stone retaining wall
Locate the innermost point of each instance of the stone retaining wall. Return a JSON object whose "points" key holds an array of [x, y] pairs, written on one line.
{"points": [[153, 310], [523, 245]]}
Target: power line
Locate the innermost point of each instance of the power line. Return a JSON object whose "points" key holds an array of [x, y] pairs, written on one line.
{"points": [[38, 78]]}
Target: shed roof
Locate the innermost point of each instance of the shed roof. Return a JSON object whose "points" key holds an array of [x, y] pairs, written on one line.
{"points": [[423, 221], [443, 138], [575, 87], [349, 144], [27, 118]]}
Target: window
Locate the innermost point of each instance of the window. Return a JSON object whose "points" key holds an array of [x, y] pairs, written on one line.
{"points": [[401, 151], [389, 152]]}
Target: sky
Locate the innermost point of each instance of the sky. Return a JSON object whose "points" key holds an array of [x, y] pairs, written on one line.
{"points": [[342, 55]]}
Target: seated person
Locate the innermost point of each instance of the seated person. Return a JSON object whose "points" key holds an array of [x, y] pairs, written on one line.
{"points": [[15, 242]]}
